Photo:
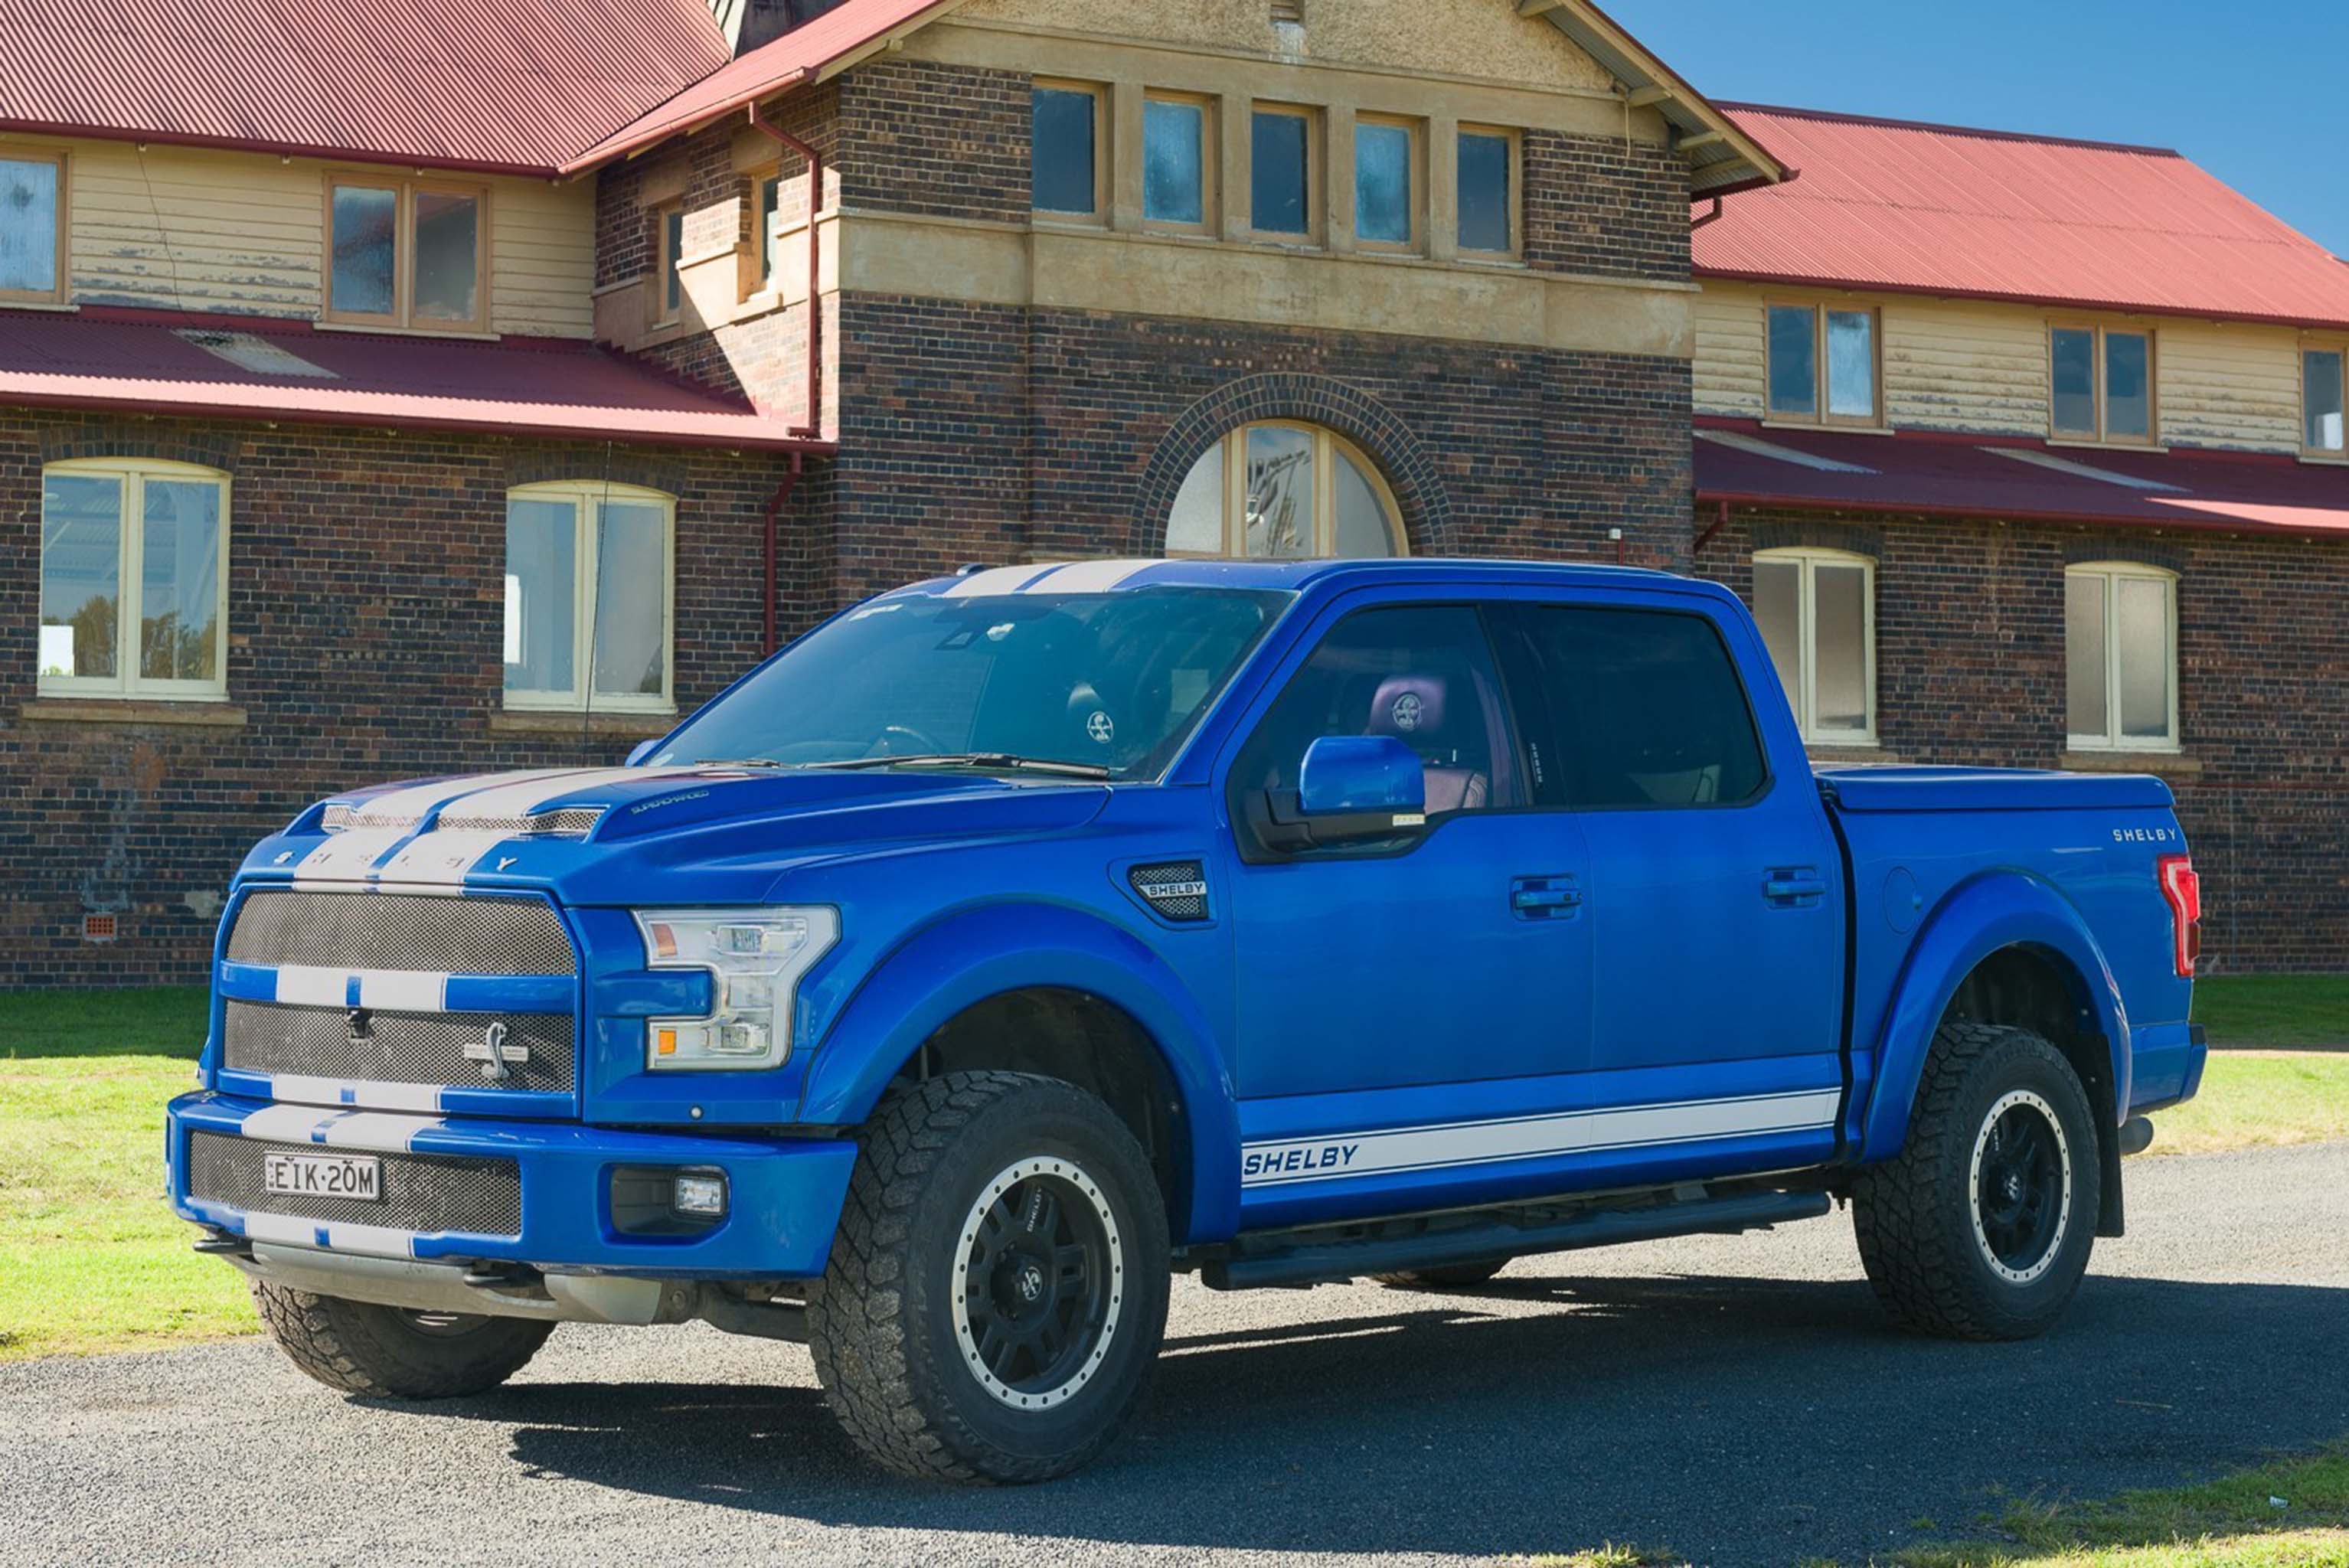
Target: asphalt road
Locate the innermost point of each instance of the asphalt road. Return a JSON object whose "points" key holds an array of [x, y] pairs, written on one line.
{"points": [[1736, 1398]]}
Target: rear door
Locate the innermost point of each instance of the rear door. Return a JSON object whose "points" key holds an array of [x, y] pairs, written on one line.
{"points": [[1714, 891]]}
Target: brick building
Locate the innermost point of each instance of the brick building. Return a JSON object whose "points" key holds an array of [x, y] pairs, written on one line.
{"points": [[496, 419]]}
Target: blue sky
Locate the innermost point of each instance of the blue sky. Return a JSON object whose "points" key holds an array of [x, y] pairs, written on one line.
{"points": [[2254, 92]]}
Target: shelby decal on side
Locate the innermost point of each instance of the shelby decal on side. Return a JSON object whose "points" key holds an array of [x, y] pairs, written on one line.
{"points": [[1426, 1148]]}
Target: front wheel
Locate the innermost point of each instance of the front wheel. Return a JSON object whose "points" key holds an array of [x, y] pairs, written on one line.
{"points": [[392, 1353], [998, 1290], [1980, 1228]]}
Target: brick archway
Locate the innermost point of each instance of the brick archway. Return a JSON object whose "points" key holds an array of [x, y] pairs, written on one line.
{"points": [[1369, 424]]}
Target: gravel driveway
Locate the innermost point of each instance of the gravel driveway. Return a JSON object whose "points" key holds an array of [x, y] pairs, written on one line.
{"points": [[1737, 1398]]}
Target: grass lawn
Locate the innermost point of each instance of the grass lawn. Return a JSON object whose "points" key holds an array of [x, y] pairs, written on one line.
{"points": [[2275, 1010], [2252, 1099], [90, 1257]]}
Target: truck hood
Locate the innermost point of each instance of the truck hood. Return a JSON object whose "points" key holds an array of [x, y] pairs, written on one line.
{"points": [[624, 835]]}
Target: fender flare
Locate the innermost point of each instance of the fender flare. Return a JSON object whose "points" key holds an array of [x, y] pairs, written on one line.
{"points": [[1984, 915], [965, 958]]}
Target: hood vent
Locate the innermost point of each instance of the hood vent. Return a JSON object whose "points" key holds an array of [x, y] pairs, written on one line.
{"points": [[565, 822]]}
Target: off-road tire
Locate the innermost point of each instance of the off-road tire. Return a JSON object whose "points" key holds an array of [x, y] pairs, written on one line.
{"points": [[1448, 1276], [884, 1323], [1917, 1216], [383, 1352]]}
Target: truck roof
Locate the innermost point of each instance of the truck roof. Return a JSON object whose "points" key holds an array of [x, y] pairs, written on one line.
{"points": [[1281, 576]]}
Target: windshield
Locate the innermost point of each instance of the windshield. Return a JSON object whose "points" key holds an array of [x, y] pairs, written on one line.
{"points": [[1098, 685]]}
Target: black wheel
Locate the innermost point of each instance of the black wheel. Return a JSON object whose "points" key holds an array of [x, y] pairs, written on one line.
{"points": [[392, 1353], [1449, 1277], [1981, 1227], [998, 1290]]}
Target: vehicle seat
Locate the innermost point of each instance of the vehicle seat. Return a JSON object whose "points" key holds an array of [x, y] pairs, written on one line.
{"points": [[1415, 709]]}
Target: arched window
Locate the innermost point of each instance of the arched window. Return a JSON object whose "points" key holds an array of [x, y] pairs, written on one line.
{"points": [[1283, 492], [588, 586], [1817, 609], [134, 579]]}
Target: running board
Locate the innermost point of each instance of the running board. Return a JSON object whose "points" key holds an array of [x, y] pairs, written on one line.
{"points": [[1486, 1239]]}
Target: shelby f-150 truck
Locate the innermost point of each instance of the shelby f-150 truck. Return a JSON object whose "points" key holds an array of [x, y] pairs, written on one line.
{"points": [[1017, 939]]}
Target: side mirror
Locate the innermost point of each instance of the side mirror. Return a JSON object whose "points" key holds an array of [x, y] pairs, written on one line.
{"points": [[1351, 788], [1346, 775], [642, 749]]}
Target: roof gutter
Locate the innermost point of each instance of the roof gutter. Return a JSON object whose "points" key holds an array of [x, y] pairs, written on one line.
{"points": [[2051, 302], [2198, 523], [280, 149]]}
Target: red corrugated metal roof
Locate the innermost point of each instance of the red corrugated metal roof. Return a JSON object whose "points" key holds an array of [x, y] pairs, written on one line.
{"points": [[2021, 482], [800, 54], [514, 85], [1934, 209], [159, 362]]}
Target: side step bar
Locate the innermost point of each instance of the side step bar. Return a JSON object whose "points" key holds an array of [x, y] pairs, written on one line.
{"points": [[1483, 1240]]}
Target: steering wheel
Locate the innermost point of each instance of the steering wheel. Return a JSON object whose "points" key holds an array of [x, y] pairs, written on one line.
{"points": [[884, 744]]}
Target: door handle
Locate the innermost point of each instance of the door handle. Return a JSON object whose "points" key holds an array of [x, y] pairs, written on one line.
{"points": [[1544, 898], [1794, 887]]}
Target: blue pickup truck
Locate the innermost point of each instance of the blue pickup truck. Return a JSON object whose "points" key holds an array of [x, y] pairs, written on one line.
{"points": [[1017, 939]]}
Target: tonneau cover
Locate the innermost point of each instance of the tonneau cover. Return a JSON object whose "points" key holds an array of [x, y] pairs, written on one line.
{"points": [[1887, 787]]}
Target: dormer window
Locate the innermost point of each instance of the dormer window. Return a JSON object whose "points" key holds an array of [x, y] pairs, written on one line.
{"points": [[2100, 384]]}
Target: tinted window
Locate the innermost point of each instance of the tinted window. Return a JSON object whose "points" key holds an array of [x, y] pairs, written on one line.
{"points": [[1484, 191], [1062, 152], [1633, 707], [1421, 673], [1278, 162], [1794, 361]]}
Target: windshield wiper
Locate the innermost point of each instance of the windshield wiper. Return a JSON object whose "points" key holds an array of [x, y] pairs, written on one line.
{"points": [[1003, 760]]}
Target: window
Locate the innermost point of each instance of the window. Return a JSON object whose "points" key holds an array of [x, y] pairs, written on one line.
{"points": [[1488, 191], [1823, 357], [1817, 613], [1284, 185], [2120, 658], [32, 226], [1387, 183], [2100, 384], [134, 579], [1067, 173], [1177, 163], [1283, 490], [587, 590], [2320, 403], [1633, 708], [668, 231], [768, 204], [407, 253], [1422, 674]]}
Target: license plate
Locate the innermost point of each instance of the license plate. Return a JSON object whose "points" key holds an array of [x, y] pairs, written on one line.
{"points": [[359, 1176]]}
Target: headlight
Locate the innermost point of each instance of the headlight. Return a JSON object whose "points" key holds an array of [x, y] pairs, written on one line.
{"points": [[755, 956]]}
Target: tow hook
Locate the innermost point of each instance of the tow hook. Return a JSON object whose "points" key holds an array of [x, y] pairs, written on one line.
{"points": [[219, 1243], [2136, 1135]]}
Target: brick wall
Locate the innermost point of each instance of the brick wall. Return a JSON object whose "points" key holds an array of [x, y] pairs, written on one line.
{"points": [[1970, 669], [365, 613], [1604, 205]]}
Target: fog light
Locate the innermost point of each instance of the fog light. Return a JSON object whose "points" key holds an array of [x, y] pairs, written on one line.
{"points": [[704, 1195]]}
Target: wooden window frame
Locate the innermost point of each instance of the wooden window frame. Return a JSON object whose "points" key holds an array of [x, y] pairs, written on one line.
{"points": [[2339, 347], [1316, 182], [405, 189], [1516, 138], [131, 535], [661, 312], [762, 257], [1210, 162], [1821, 417], [1806, 559], [2110, 574], [17, 152], [1327, 446], [581, 495], [2099, 331], [1417, 130], [1104, 161]]}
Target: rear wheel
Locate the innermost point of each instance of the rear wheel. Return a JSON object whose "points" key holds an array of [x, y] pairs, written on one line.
{"points": [[392, 1352], [1448, 1276], [1981, 1227], [998, 1290]]}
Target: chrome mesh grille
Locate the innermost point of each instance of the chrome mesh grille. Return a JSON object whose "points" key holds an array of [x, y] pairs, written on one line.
{"points": [[1176, 889], [398, 1048], [422, 1192], [464, 935]]}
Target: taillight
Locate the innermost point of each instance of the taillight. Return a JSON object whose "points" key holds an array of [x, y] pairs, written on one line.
{"points": [[2183, 888]]}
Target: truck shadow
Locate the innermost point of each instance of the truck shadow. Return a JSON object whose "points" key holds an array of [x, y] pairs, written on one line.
{"points": [[1734, 1420]]}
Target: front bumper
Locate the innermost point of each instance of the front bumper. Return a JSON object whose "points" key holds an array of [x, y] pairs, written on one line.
{"points": [[785, 1194]]}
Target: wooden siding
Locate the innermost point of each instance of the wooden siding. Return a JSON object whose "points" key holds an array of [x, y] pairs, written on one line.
{"points": [[190, 229], [1979, 365]]}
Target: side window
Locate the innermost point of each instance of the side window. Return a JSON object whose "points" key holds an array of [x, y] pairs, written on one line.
{"points": [[1421, 673], [1635, 708]]}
